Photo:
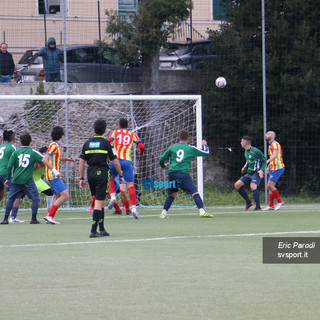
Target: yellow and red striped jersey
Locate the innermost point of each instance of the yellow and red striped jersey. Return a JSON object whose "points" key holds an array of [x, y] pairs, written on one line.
{"points": [[277, 163], [123, 140], [54, 151]]}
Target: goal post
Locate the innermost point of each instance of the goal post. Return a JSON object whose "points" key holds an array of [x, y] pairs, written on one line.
{"points": [[156, 119]]}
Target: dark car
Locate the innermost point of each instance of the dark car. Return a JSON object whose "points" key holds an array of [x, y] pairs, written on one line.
{"points": [[185, 56], [85, 63]]}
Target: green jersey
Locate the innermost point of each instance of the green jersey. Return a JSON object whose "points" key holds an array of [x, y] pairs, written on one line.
{"points": [[255, 160], [22, 163], [6, 151], [181, 155]]}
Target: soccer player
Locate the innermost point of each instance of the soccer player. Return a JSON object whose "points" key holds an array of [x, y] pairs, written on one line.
{"points": [[254, 170], [275, 169], [180, 155], [122, 189], [6, 150], [96, 152], [123, 140], [53, 156], [22, 163]]}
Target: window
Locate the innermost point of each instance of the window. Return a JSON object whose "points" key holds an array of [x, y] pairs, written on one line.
{"points": [[218, 11], [127, 7], [49, 6]]}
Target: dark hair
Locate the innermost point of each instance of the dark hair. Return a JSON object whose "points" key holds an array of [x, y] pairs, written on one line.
{"points": [[248, 139], [8, 135], [57, 133], [183, 135], [123, 123], [25, 139], [43, 149], [100, 126]]}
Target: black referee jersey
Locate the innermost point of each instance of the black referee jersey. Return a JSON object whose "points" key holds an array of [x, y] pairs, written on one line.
{"points": [[96, 151]]}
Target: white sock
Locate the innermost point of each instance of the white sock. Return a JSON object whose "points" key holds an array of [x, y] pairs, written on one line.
{"points": [[164, 212], [49, 201], [202, 210]]}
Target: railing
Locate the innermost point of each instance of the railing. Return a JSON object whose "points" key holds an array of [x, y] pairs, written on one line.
{"points": [[185, 32]]}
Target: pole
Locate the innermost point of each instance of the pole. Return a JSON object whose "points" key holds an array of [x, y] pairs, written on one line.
{"points": [[45, 21], [191, 21], [99, 22], [264, 82]]}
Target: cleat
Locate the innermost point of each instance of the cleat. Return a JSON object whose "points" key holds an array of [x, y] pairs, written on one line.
{"points": [[128, 212], [279, 205], [50, 220], [4, 221], [117, 212], [268, 208], [89, 209], [95, 235], [110, 206], [34, 221], [113, 199], [163, 216], [16, 220], [206, 215], [248, 205], [257, 209], [104, 233], [136, 216]]}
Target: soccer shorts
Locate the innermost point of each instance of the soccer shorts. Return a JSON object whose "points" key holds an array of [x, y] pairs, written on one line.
{"points": [[41, 185], [98, 179], [57, 185], [183, 181], [3, 178], [275, 175], [127, 169], [19, 190], [251, 178]]}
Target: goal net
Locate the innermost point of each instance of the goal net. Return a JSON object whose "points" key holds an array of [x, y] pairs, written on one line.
{"points": [[157, 120]]}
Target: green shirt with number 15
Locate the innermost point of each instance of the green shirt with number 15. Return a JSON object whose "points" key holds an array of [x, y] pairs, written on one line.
{"points": [[22, 163]]}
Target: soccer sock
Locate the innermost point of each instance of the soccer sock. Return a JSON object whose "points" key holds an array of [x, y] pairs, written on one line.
{"points": [[197, 199], [276, 195], [49, 201], [256, 197], [95, 220], [116, 206], [271, 198], [101, 221], [52, 211], [164, 212], [34, 208], [14, 212], [126, 205], [168, 203], [244, 195], [92, 201], [132, 195], [112, 186]]}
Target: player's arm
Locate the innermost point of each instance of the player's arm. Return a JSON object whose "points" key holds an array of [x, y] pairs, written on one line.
{"points": [[46, 162], [164, 158], [9, 170], [68, 159], [274, 156], [141, 147], [82, 182], [244, 168], [117, 166]]}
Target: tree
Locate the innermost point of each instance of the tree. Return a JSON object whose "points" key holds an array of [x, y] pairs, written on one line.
{"points": [[140, 36], [292, 67]]}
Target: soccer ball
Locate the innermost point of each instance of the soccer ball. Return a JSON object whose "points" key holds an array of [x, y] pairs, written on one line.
{"points": [[221, 82]]}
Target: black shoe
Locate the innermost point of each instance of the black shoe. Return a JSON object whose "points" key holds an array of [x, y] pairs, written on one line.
{"points": [[4, 221], [248, 205], [128, 212], [95, 235], [257, 209], [117, 212], [34, 221], [104, 233]]}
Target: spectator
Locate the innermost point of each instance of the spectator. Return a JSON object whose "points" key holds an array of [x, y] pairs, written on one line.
{"points": [[6, 64]]}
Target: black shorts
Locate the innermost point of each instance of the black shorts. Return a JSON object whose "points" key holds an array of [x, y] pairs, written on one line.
{"points": [[98, 179]]}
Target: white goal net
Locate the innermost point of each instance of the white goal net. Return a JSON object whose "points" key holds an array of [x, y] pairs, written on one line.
{"points": [[157, 120]]}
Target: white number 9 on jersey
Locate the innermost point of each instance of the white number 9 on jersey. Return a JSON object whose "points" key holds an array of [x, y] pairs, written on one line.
{"points": [[180, 154]]}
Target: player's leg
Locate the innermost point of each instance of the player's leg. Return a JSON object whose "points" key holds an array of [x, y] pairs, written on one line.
{"points": [[14, 193], [276, 174], [92, 204], [254, 184], [49, 197], [30, 189], [125, 198], [112, 187], [172, 193], [240, 187], [271, 188], [14, 211]]}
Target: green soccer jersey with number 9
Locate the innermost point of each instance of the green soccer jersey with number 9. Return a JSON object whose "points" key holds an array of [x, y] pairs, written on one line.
{"points": [[22, 163], [181, 155]]}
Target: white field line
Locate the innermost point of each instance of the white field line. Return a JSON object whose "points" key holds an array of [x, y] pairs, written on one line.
{"points": [[159, 239]]}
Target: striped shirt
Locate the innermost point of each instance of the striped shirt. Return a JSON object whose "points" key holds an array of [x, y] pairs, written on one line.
{"points": [[54, 151], [277, 163], [122, 141]]}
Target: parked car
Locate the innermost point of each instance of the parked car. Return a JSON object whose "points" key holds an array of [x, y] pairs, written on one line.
{"points": [[185, 56], [85, 63]]}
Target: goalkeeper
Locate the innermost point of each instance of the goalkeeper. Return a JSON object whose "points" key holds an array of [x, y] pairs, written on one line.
{"points": [[180, 155]]}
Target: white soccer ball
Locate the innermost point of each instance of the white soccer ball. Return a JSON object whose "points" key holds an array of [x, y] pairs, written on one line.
{"points": [[221, 82]]}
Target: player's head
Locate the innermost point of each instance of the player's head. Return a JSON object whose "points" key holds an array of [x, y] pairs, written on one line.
{"points": [[9, 135], [123, 123], [43, 150], [270, 135], [183, 135], [246, 141], [100, 126], [25, 139], [3, 47], [57, 133]]}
